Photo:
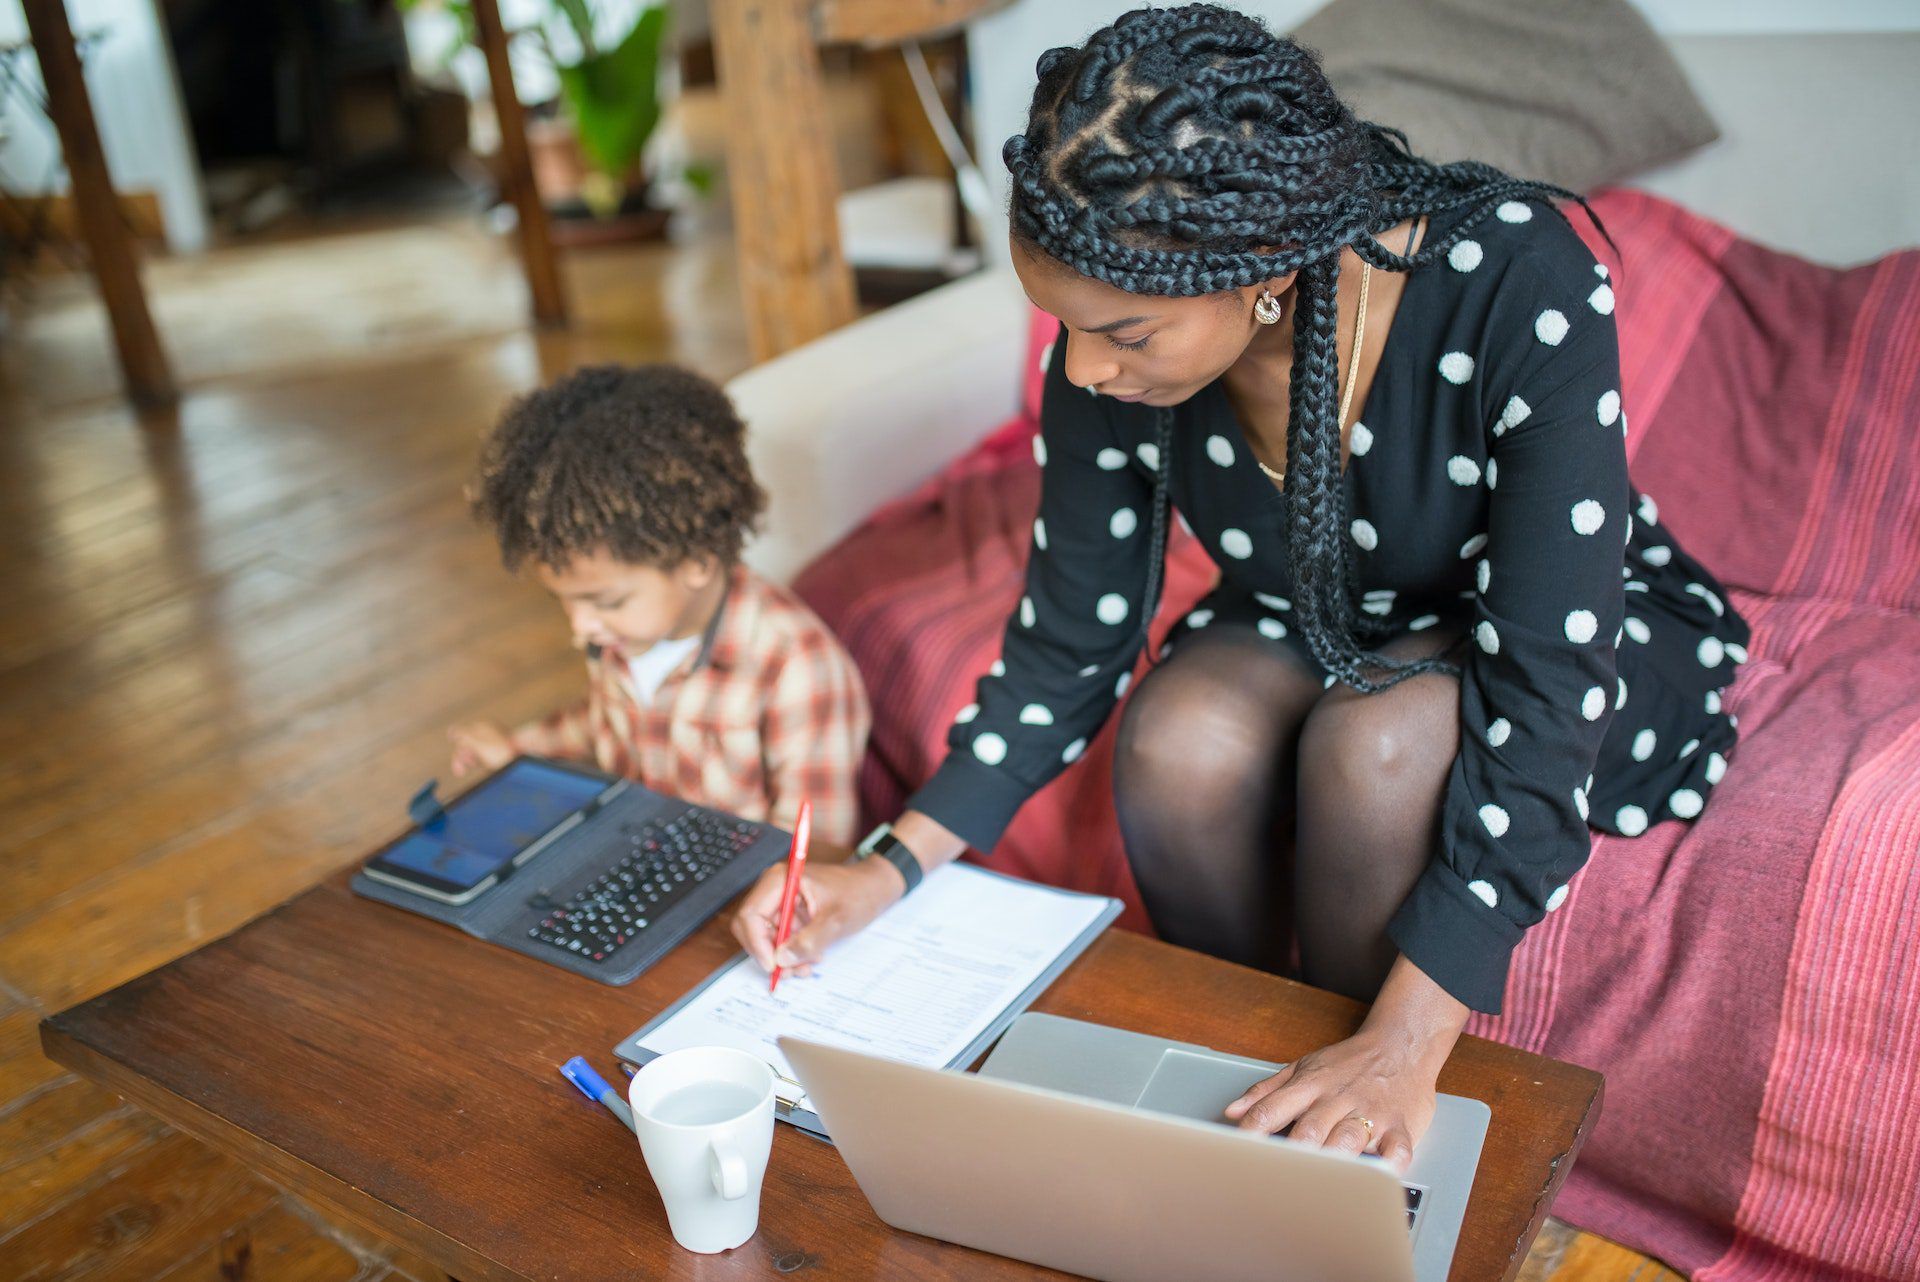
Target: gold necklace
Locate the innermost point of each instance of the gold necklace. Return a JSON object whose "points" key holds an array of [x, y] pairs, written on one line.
{"points": [[1353, 365]]}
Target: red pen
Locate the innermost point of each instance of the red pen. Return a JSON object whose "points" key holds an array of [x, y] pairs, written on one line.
{"points": [[796, 865]]}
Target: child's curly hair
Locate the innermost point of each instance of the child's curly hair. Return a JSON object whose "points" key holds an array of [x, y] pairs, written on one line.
{"points": [[646, 462]]}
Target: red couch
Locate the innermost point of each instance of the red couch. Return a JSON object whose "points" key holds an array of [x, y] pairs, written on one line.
{"points": [[1750, 984]]}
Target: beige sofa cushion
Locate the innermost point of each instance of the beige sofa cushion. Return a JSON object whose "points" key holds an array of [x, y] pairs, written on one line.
{"points": [[1579, 93]]}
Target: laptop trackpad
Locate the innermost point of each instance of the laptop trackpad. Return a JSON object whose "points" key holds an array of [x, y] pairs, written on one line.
{"points": [[1198, 1086]]}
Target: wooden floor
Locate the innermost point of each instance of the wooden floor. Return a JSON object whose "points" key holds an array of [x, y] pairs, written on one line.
{"points": [[230, 643]]}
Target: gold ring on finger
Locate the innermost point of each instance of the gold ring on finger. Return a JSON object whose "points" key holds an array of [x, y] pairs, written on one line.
{"points": [[1366, 1122]]}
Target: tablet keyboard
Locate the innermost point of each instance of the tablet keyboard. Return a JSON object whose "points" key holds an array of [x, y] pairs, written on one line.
{"points": [[665, 861]]}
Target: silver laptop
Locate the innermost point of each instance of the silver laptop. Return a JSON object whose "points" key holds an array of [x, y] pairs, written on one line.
{"points": [[1105, 1153]]}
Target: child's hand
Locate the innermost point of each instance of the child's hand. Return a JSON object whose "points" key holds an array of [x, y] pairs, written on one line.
{"points": [[479, 745]]}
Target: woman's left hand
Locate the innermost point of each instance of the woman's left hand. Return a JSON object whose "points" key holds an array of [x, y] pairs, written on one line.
{"points": [[1325, 1093]]}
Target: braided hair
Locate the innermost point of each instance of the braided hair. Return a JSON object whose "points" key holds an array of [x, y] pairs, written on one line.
{"points": [[1191, 151]]}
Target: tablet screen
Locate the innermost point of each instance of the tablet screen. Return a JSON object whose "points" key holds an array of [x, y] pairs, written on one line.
{"points": [[484, 829]]}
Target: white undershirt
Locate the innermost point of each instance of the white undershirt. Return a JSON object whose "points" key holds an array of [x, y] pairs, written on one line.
{"points": [[653, 667]]}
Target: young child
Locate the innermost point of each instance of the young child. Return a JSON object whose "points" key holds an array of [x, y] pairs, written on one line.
{"points": [[627, 491]]}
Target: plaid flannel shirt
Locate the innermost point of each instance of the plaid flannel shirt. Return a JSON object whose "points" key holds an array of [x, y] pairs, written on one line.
{"points": [[769, 710]]}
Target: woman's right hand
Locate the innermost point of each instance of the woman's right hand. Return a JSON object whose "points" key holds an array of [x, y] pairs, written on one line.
{"points": [[835, 900]]}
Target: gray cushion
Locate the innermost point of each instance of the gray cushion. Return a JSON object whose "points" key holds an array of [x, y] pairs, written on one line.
{"points": [[1579, 93]]}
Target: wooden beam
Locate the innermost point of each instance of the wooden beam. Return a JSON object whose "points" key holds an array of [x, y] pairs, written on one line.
{"points": [[143, 362], [516, 171], [890, 22], [781, 171]]}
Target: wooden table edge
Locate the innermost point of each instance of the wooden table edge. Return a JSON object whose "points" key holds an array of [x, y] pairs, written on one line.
{"points": [[372, 1214], [1562, 1166]]}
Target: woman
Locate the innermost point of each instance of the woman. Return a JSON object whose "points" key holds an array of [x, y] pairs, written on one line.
{"points": [[1449, 636]]}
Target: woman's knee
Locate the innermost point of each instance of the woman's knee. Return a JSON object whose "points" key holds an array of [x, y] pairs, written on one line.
{"points": [[1195, 731], [1191, 743], [1399, 738]]}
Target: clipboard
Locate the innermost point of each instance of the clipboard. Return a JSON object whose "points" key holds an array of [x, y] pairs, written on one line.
{"points": [[787, 1092]]}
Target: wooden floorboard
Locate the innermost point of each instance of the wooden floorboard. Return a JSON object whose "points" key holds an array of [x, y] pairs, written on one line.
{"points": [[173, 718], [275, 1244], [23, 1069], [234, 634]]}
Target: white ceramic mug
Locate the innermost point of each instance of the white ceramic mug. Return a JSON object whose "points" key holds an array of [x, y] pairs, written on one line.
{"points": [[705, 1120]]}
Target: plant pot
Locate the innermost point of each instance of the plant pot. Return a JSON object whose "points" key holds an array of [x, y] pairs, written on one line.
{"points": [[561, 175], [637, 220]]}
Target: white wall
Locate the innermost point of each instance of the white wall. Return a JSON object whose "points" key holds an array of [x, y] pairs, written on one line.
{"points": [[1778, 17], [1818, 152], [136, 104]]}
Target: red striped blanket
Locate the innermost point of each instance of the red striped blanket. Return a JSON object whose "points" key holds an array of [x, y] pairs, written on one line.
{"points": [[1750, 985]]}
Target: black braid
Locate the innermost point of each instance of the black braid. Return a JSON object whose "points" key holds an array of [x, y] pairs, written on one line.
{"points": [[1157, 539], [1191, 151]]}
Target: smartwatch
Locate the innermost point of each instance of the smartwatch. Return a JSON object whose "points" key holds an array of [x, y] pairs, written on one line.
{"points": [[882, 843]]}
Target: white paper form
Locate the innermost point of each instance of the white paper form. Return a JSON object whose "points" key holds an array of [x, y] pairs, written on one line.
{"points": [[919, 984]]}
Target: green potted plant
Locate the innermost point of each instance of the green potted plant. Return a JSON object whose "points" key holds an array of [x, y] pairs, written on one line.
{"points": [[588, 164]]}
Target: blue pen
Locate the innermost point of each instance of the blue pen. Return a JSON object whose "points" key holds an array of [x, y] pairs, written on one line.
{"points": [[594, 1087]]}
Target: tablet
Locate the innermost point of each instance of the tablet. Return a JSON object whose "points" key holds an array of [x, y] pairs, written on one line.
{"points": [[500, 823]]}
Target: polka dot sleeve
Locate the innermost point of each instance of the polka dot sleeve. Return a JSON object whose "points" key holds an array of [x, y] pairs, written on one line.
{"points": [[1069, 648], [1538, 685]]}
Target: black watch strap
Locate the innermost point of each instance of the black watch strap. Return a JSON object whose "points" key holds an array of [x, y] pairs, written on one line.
{"points": [[881, 843]]}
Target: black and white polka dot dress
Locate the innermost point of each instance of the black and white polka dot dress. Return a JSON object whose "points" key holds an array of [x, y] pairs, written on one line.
{"points": [[1487, 490]]}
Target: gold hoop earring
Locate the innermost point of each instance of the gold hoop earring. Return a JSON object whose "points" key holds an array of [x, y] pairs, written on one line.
{"points": [[1266, 308]]}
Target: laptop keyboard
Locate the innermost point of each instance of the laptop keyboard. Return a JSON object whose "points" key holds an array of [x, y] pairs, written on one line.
{"points": [[664, 862]]}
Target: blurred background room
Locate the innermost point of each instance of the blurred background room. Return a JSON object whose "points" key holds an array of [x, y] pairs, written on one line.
{"points": [[269, 269]]}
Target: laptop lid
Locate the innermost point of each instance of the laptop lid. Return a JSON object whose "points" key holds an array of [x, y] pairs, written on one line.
{"points": [[1158, 1074], [1098, 1189]]}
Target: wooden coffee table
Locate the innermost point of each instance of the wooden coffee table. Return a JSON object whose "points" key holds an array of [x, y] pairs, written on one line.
{"points": [[404, 1076]]}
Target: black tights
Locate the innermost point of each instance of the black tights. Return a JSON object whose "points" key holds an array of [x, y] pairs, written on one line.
{"points": [[1234, 762]]}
